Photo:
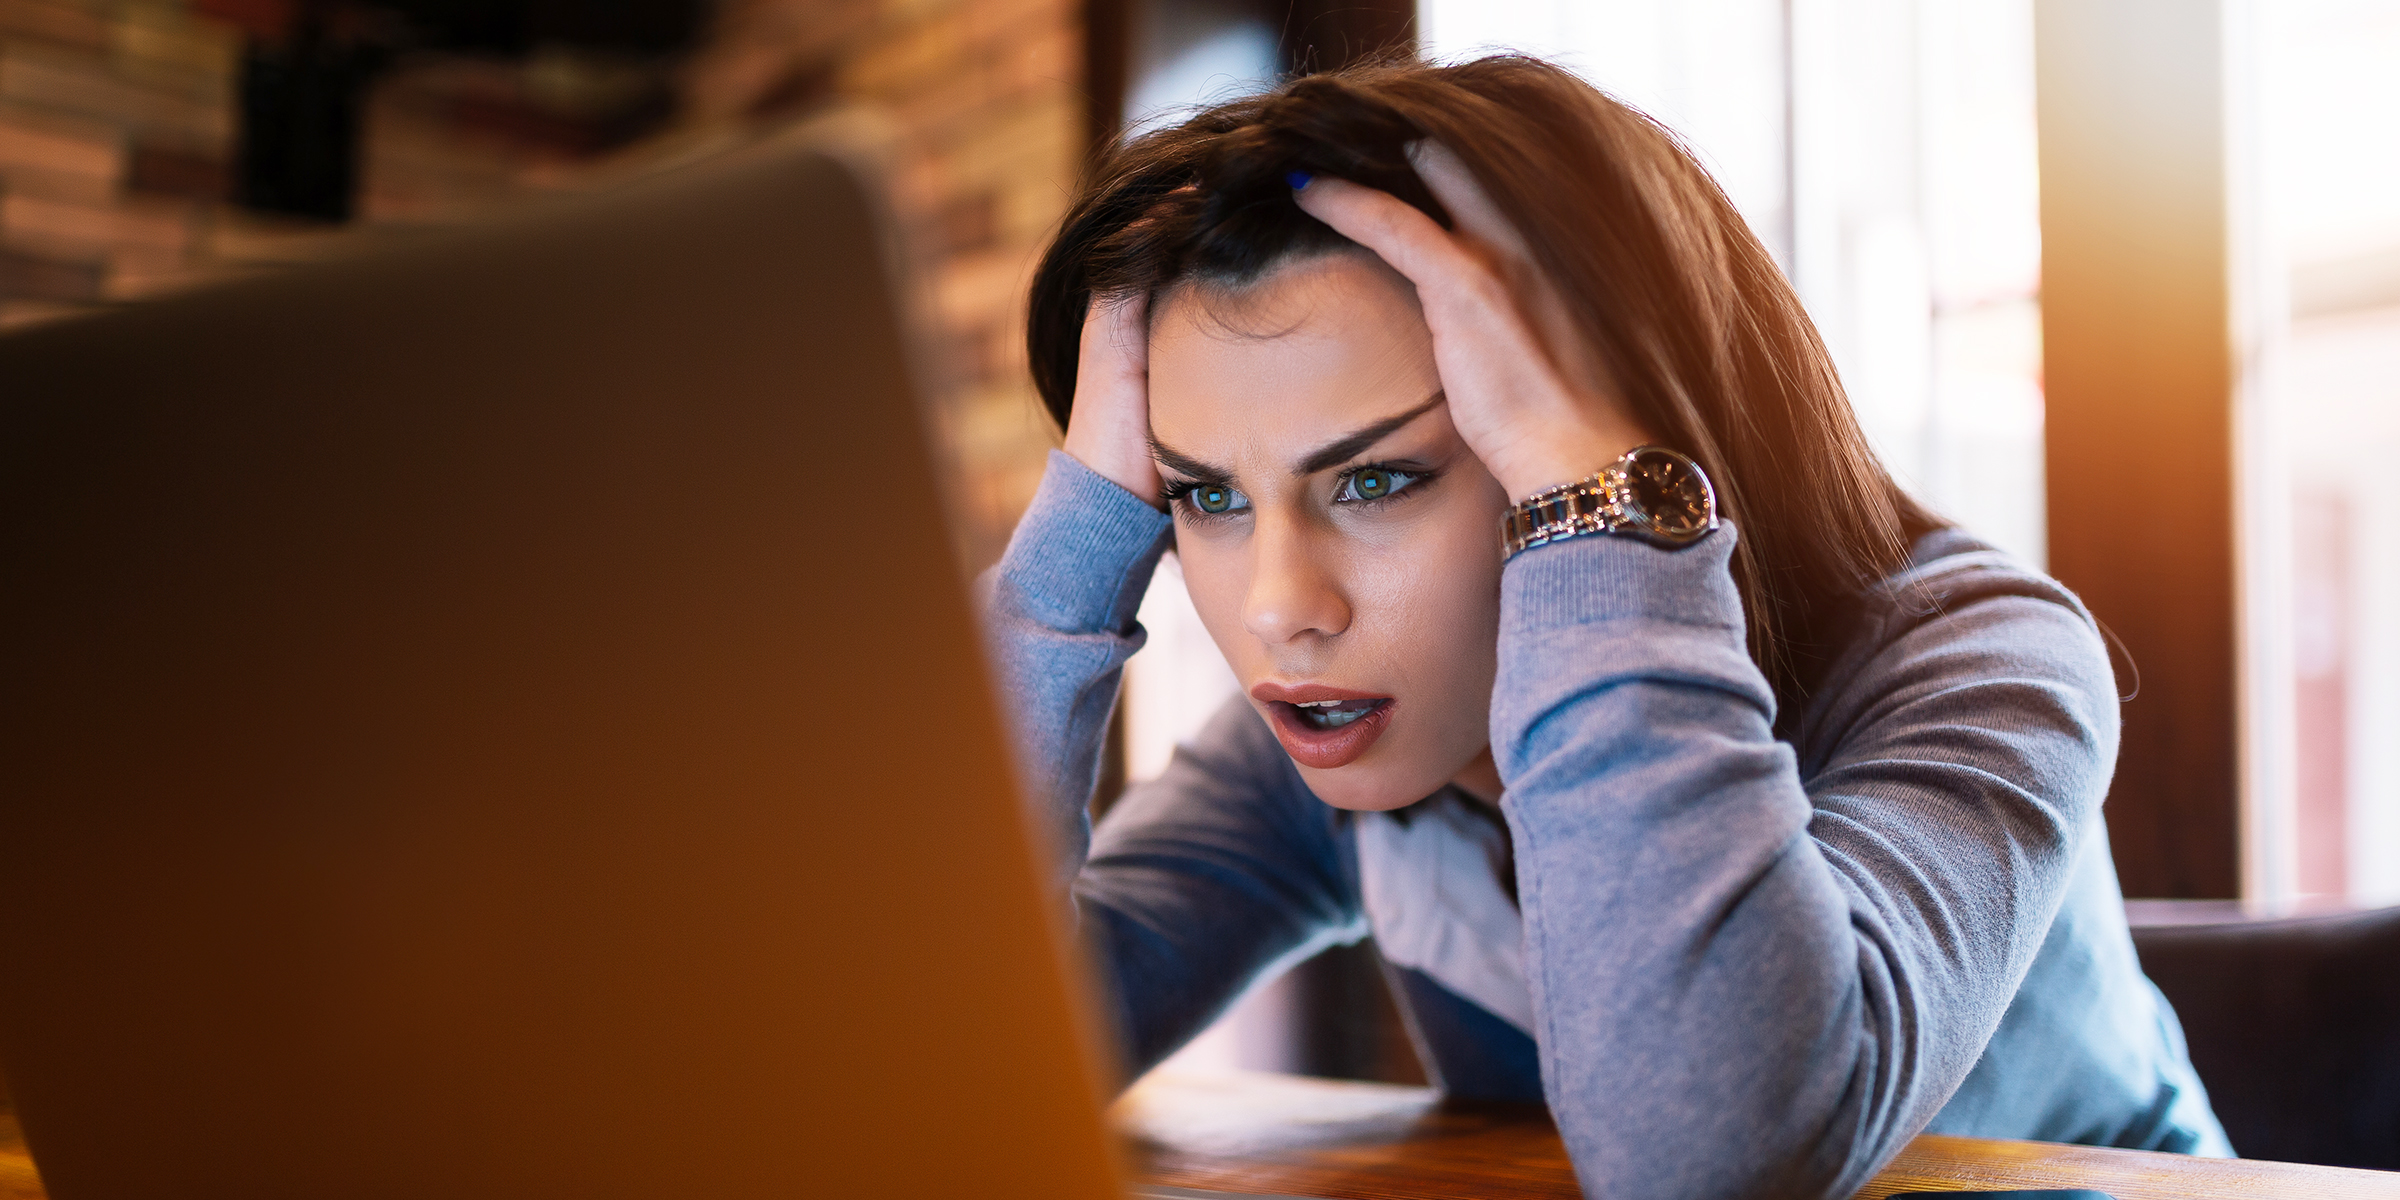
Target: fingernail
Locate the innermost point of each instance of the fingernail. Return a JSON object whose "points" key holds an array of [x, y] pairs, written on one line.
{"points": [[1298, 179]]}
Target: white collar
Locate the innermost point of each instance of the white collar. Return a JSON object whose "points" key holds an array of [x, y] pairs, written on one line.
{"points": [[1432, 885]]}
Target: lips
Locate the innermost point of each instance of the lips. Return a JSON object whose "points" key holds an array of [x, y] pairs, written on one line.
{"points": [[1323, 727]]}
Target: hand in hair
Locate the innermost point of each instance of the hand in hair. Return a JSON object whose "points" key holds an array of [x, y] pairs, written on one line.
{"points": [[1524, 392], [1110, 428]]}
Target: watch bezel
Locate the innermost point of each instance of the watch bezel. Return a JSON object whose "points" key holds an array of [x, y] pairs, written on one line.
{"points": [[1637, 519]]}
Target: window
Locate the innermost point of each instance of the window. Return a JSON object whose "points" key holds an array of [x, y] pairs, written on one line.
{"points": [[2326, 568]]}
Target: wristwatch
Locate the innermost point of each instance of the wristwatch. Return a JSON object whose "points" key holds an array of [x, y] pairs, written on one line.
{"points": [[1652, 493]]}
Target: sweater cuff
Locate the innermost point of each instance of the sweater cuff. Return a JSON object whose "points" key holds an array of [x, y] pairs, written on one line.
{"points": [[1596, 579], [1081, 557]]}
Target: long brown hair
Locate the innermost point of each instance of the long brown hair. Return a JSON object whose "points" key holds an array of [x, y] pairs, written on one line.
{"points": [[1689, 314]]}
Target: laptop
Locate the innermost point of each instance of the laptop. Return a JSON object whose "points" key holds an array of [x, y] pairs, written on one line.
{"points": [[502, 718]]}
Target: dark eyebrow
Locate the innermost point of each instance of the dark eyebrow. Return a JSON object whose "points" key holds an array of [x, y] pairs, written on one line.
{"points": [[1184, 464], [1341, 449], [1332, 453]]}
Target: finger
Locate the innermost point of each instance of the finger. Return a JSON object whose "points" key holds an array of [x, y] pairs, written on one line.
{"points": [[1471, 208], [1123, 321], [1480, 220], [1466, 303], [1409, 240], [1108, 427]]}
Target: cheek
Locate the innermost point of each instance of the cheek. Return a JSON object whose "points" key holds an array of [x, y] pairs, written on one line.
{"points": [[1436, 597], [1216, 572]]}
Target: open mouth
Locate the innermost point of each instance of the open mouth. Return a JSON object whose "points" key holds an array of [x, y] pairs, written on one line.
{"points": [[1334, 714], [1323, 730]]}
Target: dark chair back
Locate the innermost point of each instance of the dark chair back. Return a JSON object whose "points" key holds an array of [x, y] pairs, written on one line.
{"points": [[2294, 1026]]}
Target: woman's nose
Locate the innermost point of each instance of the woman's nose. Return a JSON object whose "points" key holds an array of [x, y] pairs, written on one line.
{"points": [[1292, 594]]}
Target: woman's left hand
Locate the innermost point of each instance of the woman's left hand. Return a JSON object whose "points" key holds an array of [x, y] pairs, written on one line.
{"points": [[1525, 389]]}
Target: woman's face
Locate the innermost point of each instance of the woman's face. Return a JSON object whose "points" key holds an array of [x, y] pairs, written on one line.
{"points": [[1340, 541]]}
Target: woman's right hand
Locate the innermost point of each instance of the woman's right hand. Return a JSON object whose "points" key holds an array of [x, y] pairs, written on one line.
{"points": [[1524, 387], [1108, 429]]}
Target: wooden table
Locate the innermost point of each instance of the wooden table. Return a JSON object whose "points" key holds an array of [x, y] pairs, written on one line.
{"points": [[1366, 1141], [1369, 1141], [17, 1180]]}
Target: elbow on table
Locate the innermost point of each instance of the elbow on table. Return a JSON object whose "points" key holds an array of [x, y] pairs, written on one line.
{"points": [[1812, 1129]]}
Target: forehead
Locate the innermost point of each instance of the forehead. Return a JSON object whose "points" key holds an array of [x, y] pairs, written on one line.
{"points": [[1313, 351]]}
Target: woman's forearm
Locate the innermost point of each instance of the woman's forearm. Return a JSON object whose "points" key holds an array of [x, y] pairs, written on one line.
{"points": [[1058, 613], [1201, 879], [1742, 988]]}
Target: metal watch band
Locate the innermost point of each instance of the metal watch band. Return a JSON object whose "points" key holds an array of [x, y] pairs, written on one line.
{"points": [[1654, 494], [1555, 513]]}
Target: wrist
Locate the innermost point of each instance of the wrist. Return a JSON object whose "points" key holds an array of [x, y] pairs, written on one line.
{"points": [[1080, 559], [1564, 460], [1135, 474], [1558, 439]]}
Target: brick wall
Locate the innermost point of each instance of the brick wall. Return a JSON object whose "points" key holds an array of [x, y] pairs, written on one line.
{"points": [[116, 131], [117, 141], [988, 95]]}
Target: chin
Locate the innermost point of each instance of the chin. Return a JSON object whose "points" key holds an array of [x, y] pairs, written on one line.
{"points": [[1362, 788]]}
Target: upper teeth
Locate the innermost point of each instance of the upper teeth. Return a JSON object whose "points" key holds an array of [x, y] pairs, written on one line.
{"points": [[1314, 703]]}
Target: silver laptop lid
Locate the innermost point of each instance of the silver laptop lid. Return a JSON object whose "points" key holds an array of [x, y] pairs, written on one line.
{"points": [[503, 720]]}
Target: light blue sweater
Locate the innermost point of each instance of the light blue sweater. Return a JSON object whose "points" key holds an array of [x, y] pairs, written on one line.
{"points": [[1756, 967]]}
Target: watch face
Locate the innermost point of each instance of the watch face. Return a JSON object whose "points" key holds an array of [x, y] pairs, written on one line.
{"points": [[1667, 496]]}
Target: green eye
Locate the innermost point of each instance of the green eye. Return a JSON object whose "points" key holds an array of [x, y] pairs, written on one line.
{"points": [[1374, 483], [1212, 499]]}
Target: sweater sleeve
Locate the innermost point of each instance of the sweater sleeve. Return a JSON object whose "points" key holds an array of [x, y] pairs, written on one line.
{"points": [[1058, 616], [1222, 870], [1744, 986]]}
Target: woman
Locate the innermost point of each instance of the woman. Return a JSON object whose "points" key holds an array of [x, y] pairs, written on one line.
{"points": [[1755, 831]]}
